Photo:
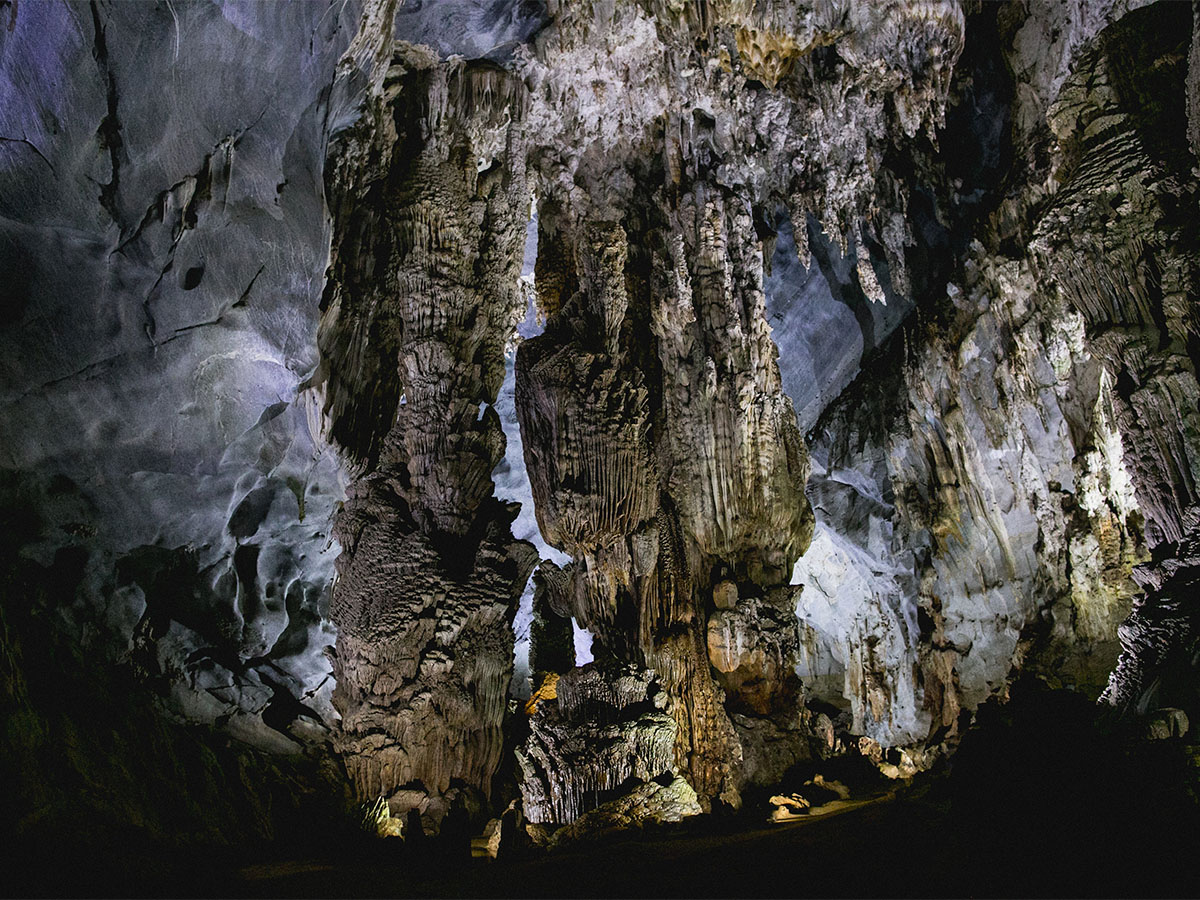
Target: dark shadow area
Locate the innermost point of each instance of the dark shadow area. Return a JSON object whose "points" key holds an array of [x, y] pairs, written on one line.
{"points": [[103, 794], [1038, 802]]}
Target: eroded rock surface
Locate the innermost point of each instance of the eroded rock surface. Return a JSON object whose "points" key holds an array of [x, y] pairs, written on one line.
{"points": [[427, 198], [605, 734], [867, 381], [162, 235], [164, 495]]}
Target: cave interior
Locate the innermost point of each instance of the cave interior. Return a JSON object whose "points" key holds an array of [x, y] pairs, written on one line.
{"points": [[599, 447]]}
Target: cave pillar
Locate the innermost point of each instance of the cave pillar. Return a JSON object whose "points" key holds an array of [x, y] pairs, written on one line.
{"points": [[665, 458], [734, 466], [428, 193]]}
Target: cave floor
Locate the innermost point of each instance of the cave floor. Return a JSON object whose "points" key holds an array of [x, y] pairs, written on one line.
{"points": [[1035, 803], [693, 862], [902, 846], [1014, 840]]}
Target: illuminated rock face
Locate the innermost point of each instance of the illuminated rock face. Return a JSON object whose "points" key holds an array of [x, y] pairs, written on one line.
{"points": [[841, 427], [663, 451], [606, 729], [1016, 472], [162, 237], [1119, 245]]}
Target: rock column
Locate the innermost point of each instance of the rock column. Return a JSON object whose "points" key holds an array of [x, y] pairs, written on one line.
{"points": [[666, 460], [428, 193]]}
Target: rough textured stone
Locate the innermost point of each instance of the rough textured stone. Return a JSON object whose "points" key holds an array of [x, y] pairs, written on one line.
{"points": [[425, 190], [995, 509], [1167, 723], [881, 313], [604, 732], [648, 803]]}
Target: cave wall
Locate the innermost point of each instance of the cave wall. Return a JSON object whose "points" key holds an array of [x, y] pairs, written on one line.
{"points": [[1022, 478], [166, 491], [163, 221], [1118, 244]]}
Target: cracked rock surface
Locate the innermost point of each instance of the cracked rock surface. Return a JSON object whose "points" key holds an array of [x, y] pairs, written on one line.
{"points": [[163, 236], [166, 492]]}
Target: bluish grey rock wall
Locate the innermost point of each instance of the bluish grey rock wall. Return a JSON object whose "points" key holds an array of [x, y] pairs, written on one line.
{"points": [[164, 236]]}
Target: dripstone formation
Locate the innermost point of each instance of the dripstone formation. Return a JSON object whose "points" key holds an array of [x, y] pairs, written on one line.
{"points": [[422, 296], [834, 364], [663, 453], [1029, 456]]}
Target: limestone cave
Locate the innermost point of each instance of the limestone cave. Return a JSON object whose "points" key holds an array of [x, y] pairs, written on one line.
{"points": [[600, 448]]}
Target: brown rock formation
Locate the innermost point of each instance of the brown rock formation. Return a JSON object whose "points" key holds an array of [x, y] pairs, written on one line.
{"points": [[427, 194], [605, 733], [663, 453], [631, 446]]}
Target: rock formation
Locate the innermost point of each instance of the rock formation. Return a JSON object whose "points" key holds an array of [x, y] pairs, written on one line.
{"points": [[603, 733], [426, 192], [856, 376], [663, 452], [162, 234], [993, 509], [1118, 245]]}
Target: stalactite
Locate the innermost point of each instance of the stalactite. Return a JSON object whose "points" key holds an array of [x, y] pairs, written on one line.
{"points": [[727, 487], [1116, 247], [663, 453]]}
